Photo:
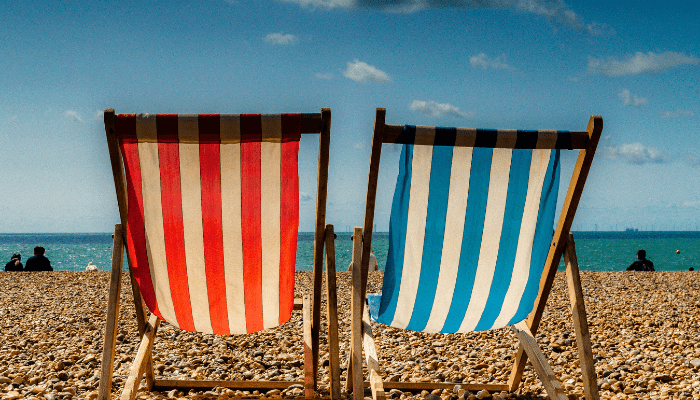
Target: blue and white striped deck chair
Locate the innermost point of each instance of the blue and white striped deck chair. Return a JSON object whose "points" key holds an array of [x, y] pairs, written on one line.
{"points": [[470, 240]]}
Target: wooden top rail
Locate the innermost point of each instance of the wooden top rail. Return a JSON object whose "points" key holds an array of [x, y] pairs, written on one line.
{"points": [[310, 123], [491, 138]]}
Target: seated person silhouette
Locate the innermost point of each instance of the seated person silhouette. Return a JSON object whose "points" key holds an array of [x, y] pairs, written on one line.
{"points": [[641, 264], [38, 262]]}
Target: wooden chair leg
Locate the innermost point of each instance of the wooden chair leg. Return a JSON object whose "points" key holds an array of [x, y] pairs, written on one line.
{"points": [[110, 341], [550, 382], [375, 376], [141, 317], [309, 389], [332, 315], [356, 318], [141, 360], [578, 312]]}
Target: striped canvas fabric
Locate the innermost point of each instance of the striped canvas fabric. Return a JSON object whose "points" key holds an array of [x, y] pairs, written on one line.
{"points": [[213, 213], [470, 230]]}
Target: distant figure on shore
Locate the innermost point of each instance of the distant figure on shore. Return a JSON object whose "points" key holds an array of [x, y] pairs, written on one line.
{"points": [[91, 267], [373, 265], [38, 262], [15, 263], [641, 264]]}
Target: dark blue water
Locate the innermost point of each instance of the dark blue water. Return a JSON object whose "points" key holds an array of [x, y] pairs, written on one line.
{"points": [[598, 251]]}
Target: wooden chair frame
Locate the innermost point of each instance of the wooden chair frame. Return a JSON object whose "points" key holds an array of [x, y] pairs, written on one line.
{"points": [[319, 123], [562, 243]]}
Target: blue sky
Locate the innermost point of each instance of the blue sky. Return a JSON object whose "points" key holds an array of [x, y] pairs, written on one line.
{"points": [[538, 64]]}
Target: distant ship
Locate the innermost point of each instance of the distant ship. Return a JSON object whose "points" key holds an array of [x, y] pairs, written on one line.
{"points": [[631, 230]]}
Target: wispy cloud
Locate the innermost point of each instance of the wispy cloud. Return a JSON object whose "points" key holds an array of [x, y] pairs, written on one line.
{"points": [[305, 197], [281, 38], [629, 99], [362, 72], [481, 60], [327, 76], [635, 153], [435, 109], [556, 10], [598, 29], [693, 160], [639, 63], [73, 115], [328, 4], [679, 113]]}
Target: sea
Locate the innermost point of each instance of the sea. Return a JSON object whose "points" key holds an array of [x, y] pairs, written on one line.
{"points": [[596, 251]]}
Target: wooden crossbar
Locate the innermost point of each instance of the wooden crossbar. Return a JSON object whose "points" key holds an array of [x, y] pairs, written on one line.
{"points": [[470, 138]]}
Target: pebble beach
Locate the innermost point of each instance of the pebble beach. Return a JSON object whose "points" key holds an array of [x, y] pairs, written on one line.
{"points": [[644, 330]]}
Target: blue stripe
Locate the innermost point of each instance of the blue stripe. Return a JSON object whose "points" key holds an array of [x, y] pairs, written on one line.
{"points": [[543, 238], [440, 170], [397, 238], [471, 241], [508, 245]]}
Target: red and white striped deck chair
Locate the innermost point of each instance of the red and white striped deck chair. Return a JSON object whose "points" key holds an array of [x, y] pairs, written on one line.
{"points": [[209, 208], [471, 245]]}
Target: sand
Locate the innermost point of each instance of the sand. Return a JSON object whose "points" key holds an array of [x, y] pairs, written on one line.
{"points": [[644, 329]]}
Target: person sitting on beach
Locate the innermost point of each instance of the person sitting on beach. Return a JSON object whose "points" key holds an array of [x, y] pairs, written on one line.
{"points": [[38, 262], [373, 265], [641, 264], [14, 264]]}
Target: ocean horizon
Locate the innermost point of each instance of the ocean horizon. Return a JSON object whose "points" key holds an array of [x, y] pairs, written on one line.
{"points": [[596, 250]]}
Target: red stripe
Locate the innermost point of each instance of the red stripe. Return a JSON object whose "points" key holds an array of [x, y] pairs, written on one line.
{"points": [[171, 200], [289, 215], [251, 135], [210, 170], [135, 226]]}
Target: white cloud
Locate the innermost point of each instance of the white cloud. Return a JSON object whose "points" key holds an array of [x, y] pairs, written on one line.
{"points": [[692, 204], [328, 4], [281, 38], [98, 115], [679, 113], [635, 153], [481, 60], [434, 109], [362, 72], [73, 115], [328, 76], [629, 99], [639, 63], [556, 10]]}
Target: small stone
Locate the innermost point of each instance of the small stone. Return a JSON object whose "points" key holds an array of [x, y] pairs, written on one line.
{"points": [[273, 392], [665, 378], [63, 376], [4, 379], [695, 362], [91, 396], [12, 395], [50, 396], [395, 393], [432, 396], [483, 394], [394, 378]]}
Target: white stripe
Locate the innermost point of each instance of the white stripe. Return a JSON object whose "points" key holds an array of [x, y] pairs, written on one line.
{"points": [[190, 178], [490, 239], [523, 255], [415, 234], [452, 242], [270, 190], [153, 216], [230, 128]]}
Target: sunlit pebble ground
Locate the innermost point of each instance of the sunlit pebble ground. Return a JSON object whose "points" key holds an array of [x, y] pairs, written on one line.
{"points": [[644, 329]]}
